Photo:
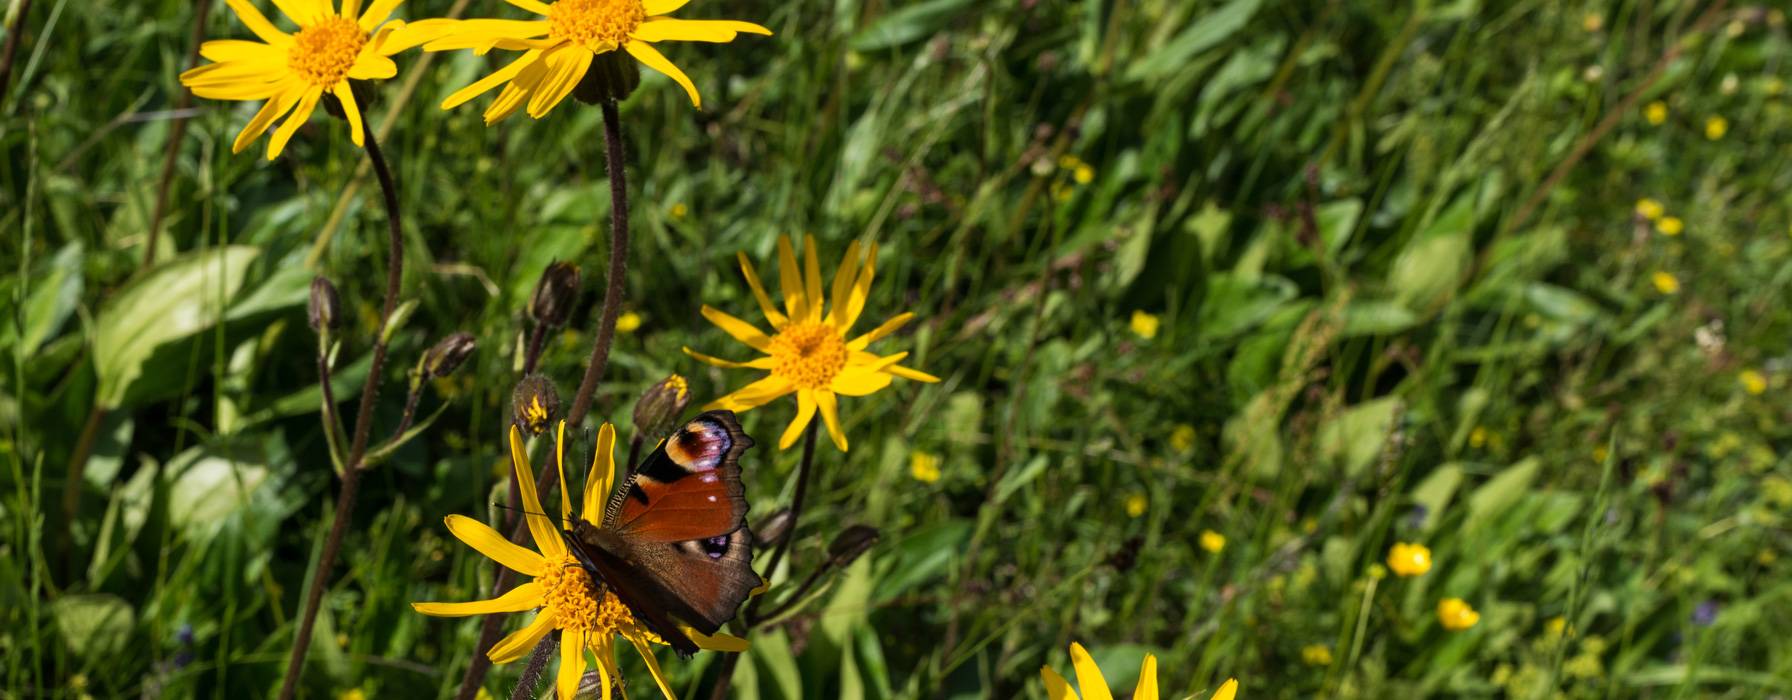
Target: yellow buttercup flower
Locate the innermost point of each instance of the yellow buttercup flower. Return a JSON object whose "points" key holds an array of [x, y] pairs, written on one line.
{"points": [[1212, 541], [559, 47], [1665, 282], [1670, 226], [1144, 325], [1716, 127], [1094, 687], [1649, 209], [1136, 503], [1409, 559], [1656, 113], [1083, 174], [1182, 437], [1316, 655], [924, 467], [628, 322], [294, 71], [1753, 382], [588, 618], [1456, 615]]}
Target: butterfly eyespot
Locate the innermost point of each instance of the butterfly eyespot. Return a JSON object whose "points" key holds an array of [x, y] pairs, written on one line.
{"points": [[715, 547]]}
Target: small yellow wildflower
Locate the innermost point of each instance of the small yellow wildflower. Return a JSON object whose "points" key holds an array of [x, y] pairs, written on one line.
{"points": [[1716, 127], [1316, 655], [1649, 209], [925, 467], [1665, 282], [1136, 503], [628, 322], [1556, 626], [1095, 687], [1670, 226], [1144, 325], [1182, 437], [1377, 572], [679, 211], [1069, 162], [1600, 453], [1409, 559], [1592, 21], [353, 694], [1656, 113], [1477, 438], [1753, 382], [1456, 615], [1083, 174], [1212, 541]]}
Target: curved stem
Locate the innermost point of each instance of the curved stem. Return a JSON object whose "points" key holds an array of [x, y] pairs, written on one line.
{"points": [[538, 661], [351, 475], [581, 405]]}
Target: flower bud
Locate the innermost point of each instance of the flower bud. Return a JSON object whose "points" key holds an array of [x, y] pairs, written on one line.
{"points": [[534, 404], [448, 354], [555, 293], [660, 406], [773, 529], [850, 543], [325, 310], [613, 76]]}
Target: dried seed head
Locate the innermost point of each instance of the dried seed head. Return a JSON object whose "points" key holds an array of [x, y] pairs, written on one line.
{"points": [[660, 406], [555, 294], [325, 310], [448, 354]]}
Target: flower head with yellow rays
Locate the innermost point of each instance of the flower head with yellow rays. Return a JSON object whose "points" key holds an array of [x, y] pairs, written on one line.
{"points": [[559, 46], [294, 71], [809, 353], [1095, 687], [588, 616]]}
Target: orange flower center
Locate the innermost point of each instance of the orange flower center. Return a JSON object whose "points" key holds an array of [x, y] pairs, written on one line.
{"points": [[323, 53], [576, 602], [808, 354], [598, 25]]}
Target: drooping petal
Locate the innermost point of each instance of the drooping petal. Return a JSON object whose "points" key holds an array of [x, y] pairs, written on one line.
{"points": [[653, 667], [534, 6], [1088, 675], [914, 374], [660, 7], [234, 72], [805, 412], [830, 414], [844, 276], [1228, 690], [765, 363], [377, 12], [524, 597], [603, 472], [1056, 688], [888, 327], [753, 395], [521, 641], [240, 50], [244, 91], [547, 539], [276, 106], [346, 96], [812, 278], [418, 33], [483, 539], [859, 381], [482, 34], [565, 486], [604, 648], [861, 290], [1147, 687], [718, 31], [485, 84], [652, 58], [566, 67], [720, 641], [572, 663], [790, 279], [771, 312], [372, 66], [259, 24], [738, 329], [517, 91], [307, 103]]}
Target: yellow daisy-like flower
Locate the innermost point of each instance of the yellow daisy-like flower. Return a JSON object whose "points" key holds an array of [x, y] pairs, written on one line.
{"points": [[1316, 655], [808, 353], [293, 71], [1094, 687], [559, 46], [588, 616], [1716, 127], [1753, 381], [1656, 112], [1407, 559], [925, 467], [1136, 504], [1144, 324], [1212, 541], [1670, 226], [1649, 208], [1665, 282], [1456, 615]]}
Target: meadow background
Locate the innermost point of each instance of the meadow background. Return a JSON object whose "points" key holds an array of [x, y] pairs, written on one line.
{"points": [[1402, 284]]}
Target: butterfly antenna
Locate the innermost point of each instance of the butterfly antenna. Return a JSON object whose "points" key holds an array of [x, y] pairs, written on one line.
{"points": [[519, 510]]}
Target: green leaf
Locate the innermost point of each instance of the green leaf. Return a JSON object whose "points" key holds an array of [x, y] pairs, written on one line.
{"points": [[1202, 34], [93, 625], [207, 485], [1500, 492], [53, 299], [772, 651], [1019, 478], [1435, 492], [1354, 439], [907, 24], [1431, 267], [176, 300], [1376, 317], [1337, 222]]}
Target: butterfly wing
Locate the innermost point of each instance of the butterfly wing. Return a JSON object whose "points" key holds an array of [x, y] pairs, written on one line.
{"points": [[674, 542]]}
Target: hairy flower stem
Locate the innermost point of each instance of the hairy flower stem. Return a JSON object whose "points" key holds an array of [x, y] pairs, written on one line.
{"points": [[581, 405], [538, 661], [176, 132], [351, 475]]}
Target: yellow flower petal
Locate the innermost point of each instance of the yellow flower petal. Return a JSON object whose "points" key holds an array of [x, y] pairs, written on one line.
{"points": [[830, 414], [719, 31], [653, 667], [531, 5], [812, 278], [861, 291], [483, 539], [1227, 691], [346, 96], [1088, 675], [521, 641], [805, 412], [307, 103], [604, 648], [915, 374], [714, 642], [859, 381], [565, 488], [890, 326], [566, 67], [277, 105], [547, 539], [418, 33], [1056, 688], [1147, 687], [844, 277], [221, 50], [660, 7], [652, 58], [740, 330], [765, 302], [485, 84], [523, 597], [765, 363], [603, 472], [259, 24], [372, 66], [350, 8], [754, 395], [572, 663], [517, 91], [790, 280], [377, 13], [234, 73], [301, 12]]}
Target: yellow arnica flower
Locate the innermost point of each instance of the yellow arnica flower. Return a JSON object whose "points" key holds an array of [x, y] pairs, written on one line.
{"points": [[1665, 282], [293, 71], [1316, 655], [1656, 112], [1212, 541], [1095, 687], [1716, 127], [1670, 226], [1753, 381], [1144, 325], [1409, 559], [808, 353], [1649, 209], [588, 617], [1456, 615], [559, 46], [925, 467], [1182, 437], [1136, 504]]}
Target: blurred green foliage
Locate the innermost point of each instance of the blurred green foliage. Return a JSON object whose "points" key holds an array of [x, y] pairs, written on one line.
{"points": [[1367, 331]]}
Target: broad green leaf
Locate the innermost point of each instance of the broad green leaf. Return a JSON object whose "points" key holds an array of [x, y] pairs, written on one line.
{"points": [[911, 22], [1337, 223], [772, 650], [93, 625], [1435, 492], [1376, 317], [185, 296], [1355, 438], [1019, 478], [1203, 33], [205, 486], [1500, 492], [1429, 269], [53, 299]]}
